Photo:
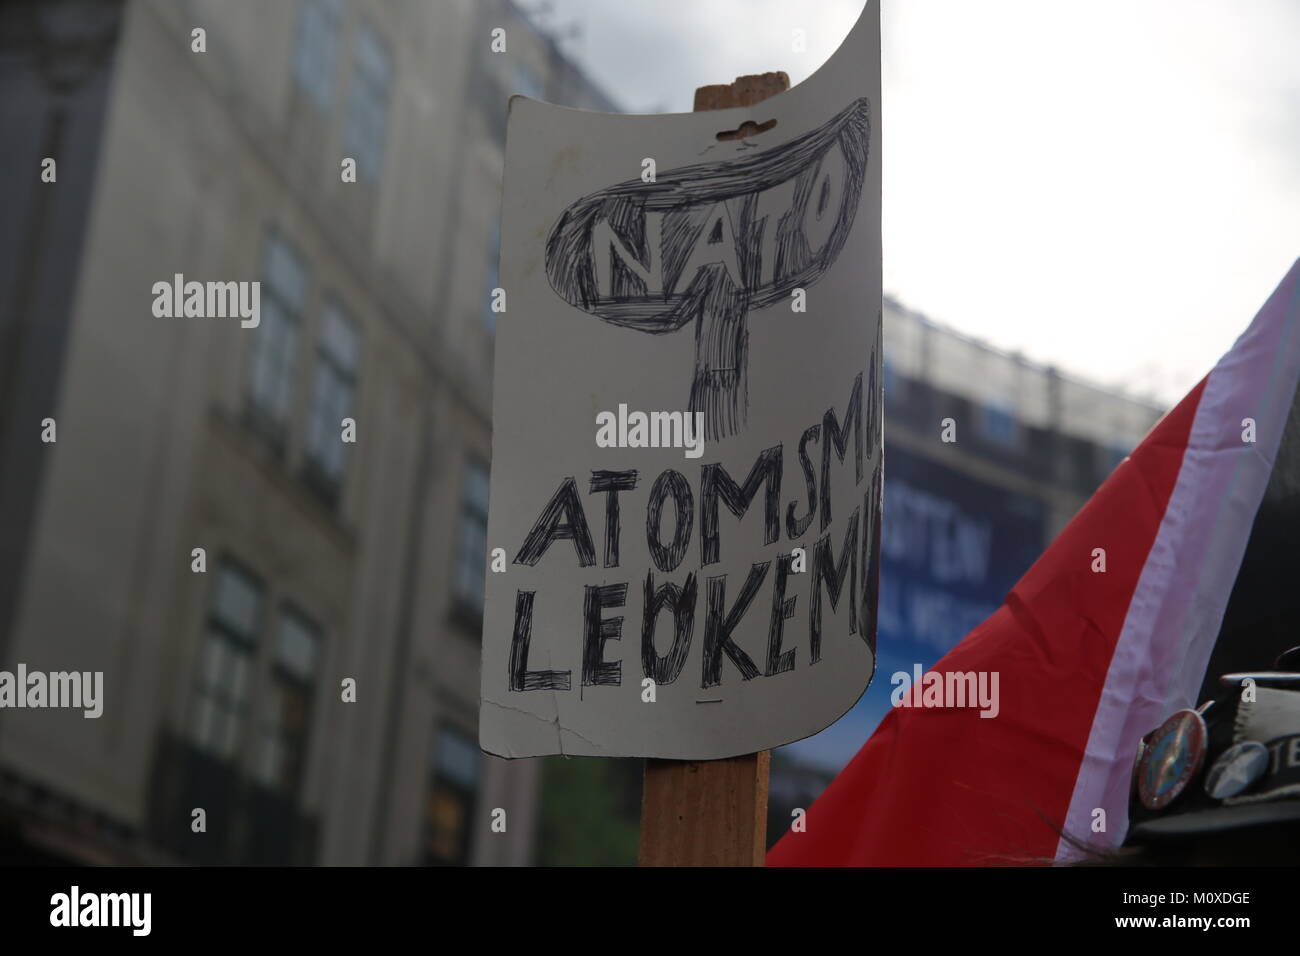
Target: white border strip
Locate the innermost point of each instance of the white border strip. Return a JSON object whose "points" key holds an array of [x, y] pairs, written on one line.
{"points": [[1177, 608]]}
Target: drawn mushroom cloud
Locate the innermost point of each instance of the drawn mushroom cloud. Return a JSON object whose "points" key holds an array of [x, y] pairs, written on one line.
{"points": [[706, 243]]}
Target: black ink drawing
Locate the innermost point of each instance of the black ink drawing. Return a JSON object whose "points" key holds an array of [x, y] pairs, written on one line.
{"points": [[708, 242]]}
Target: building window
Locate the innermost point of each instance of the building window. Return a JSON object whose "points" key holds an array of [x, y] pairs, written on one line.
{"points": [[226, 664], [363, 137], [335, 386], [998, 424], [453, 786], [316, 58], [275, 340], [471, 555], [494, 275], [283, 745]]}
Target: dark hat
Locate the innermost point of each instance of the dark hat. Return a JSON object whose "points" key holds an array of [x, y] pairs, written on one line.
{"points": [[1232, 763]]}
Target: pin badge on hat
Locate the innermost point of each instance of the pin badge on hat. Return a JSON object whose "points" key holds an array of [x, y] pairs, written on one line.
{"points": [[1236, 770], [1172, 756]]}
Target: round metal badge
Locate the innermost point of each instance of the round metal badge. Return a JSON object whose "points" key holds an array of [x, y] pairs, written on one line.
{"points": [[1174, 753], [1236, 770]]}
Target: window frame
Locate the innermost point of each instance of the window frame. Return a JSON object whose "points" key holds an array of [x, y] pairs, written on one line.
{"points": [[1000, 425], [276, 342], [324, 465], [219, 632], [317, 45], [290, 746], [445, 785], [370, 100], [469, 587]]}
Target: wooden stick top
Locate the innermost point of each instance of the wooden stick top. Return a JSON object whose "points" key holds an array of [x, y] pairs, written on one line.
{"points": [[745, 91]]}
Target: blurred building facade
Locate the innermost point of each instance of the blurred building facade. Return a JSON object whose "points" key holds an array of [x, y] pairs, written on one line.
{"points": [[988, 456], [325, 561], [322, 561]]}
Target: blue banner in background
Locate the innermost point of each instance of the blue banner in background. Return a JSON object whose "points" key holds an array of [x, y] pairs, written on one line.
{"points": [[951, 547]]}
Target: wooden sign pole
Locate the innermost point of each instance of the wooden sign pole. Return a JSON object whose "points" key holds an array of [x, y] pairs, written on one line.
{"points": [[711, 812], [705, 812]]}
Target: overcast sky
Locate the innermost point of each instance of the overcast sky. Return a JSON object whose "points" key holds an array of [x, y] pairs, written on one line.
{"points": [[1110, 186]]}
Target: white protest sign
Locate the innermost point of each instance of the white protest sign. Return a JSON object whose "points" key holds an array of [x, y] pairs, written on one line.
{"points": [[686, 471]]}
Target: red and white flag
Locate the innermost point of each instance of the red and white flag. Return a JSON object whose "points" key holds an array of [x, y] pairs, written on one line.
{"points": [[1088, 661]]}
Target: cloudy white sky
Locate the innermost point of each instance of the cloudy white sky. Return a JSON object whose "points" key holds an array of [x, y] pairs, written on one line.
{"points": [[1111, 186]]}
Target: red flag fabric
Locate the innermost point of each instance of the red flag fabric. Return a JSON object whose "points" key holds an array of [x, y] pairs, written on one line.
{"points": [[1087, 660]]}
